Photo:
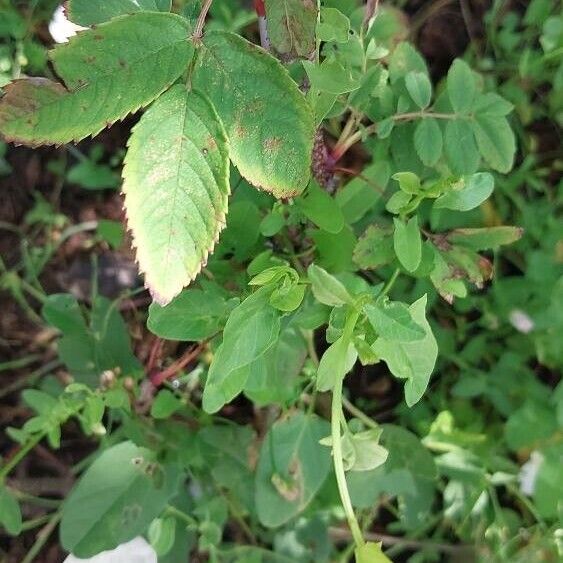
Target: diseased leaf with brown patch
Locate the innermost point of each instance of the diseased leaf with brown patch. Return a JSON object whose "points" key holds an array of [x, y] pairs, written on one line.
{"points": [[176, 189], [291, 26], [106, 72], [268, 121]]}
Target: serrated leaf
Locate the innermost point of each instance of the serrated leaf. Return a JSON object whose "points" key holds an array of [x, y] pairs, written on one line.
{"points": [[393, 321], [460, 148], [413, 361], [268, 121], [291, 26], [496, 141], [428, 141], [419, 88], [461, 86], [90, 12], [252, 329], [105, 71], [176, 188], [407, 243], [467, 194]]}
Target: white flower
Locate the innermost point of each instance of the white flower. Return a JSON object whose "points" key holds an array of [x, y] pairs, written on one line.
{"points": [[135, 551]]}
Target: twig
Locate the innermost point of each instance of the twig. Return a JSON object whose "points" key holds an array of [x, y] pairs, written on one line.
{"points": [[43, 536], [342, 534], [198, 31], [191, 354]]}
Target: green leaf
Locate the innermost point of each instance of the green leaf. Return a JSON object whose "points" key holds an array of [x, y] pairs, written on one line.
{"points": [[468, 193], [91, 12], [291, 469], [176, 189], [419, 88], [413, 361], [484, 239], [404, 59], [393, 321], [362, 193], [375, 248], [333, 26], [161, 535], [10, 513], [408, 182], [105, 72], [492, 104], [368, 453], [272, 377], [193, 316], [462, 86], [291, 26], [116, 499], [337, 361], [330, 76], [407, 243], [428, 141], [90, 349], [287, 297], [253, 327], [270, 143], [165, 404], [460, 148], [317, 205], [326, 288], [496, 141], [371, 553]]}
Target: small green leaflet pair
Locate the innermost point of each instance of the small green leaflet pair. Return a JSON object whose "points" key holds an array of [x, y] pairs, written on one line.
{"points": [[177, 166]]}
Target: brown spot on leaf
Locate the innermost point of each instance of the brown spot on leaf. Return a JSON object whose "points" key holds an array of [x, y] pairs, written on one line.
{"points": [[272, 144]]}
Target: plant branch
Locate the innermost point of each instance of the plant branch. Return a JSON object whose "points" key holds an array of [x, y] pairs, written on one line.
{"points": [[336, 415], [20, 454], [198, 31]]}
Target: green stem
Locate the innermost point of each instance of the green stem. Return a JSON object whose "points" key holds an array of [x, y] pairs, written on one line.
{"points": [[21, 453], [336, 416], [390, 282], [43, 536], [173, 511], [359, 414]]}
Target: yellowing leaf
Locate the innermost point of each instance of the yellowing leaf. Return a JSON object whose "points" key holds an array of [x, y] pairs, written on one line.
{"points": [[176, 189], [105, 71], [268, 121]]}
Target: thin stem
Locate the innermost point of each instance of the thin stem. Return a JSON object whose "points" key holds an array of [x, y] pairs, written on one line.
{"points": [[20, 454], [390, 282], [336, 415], [180, 515], [43, 536], [359, 414], [198, 31], [342, 146]]}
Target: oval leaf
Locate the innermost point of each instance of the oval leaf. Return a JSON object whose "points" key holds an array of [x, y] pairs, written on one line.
{"points": [[110, 507], [268, 120], [176, 189], [105, 72]]}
